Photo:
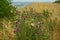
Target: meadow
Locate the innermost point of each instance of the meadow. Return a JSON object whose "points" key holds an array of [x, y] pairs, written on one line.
{"points": [[37, 21]]}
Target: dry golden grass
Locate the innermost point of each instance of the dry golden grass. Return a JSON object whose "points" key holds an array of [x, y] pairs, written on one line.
{"points": [[7, 32], [54, 8]]}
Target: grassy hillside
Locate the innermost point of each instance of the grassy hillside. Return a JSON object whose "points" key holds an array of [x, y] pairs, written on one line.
{"points": [[53, 8], [36, 21]]}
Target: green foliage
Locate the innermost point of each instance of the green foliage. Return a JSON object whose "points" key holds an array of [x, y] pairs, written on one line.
{"points": [[46, 14], [57, 1], [6, 9]]}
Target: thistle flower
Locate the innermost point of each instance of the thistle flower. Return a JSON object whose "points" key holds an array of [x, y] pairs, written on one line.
{"points": [[17, 23], [16, 30]]}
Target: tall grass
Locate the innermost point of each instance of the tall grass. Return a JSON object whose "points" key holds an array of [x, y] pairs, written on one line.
{"points": [[28, 25]]}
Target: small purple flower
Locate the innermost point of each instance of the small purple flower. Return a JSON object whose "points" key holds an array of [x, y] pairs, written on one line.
{"points": [[16, 31], [17, 22]]}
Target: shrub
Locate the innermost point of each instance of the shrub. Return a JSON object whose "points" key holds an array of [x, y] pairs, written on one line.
{"points": [[57, 1], [6, 9]]}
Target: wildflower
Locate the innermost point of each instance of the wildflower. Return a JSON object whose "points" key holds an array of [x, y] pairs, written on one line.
{"points": [[17, 23], [16, 31], [32, 24]]}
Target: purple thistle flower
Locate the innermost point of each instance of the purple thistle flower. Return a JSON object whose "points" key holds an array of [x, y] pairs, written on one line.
{"points": [[16, 31], [16, 22]]}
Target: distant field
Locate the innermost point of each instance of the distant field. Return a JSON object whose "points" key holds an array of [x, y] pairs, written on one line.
{"points": [[39, 7], [36, 21]]}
